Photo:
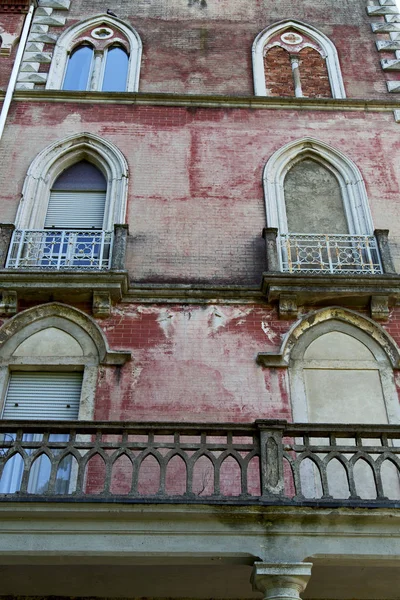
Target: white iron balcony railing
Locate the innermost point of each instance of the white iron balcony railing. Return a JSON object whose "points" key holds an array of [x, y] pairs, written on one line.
{"points": [[60, 249], [333, 254]]}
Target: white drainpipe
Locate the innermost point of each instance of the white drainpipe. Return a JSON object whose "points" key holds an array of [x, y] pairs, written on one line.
{"points": [[15, 70]]}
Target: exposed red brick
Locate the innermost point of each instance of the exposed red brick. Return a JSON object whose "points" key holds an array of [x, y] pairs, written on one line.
{"points": [[278, 72], [314, 74]]}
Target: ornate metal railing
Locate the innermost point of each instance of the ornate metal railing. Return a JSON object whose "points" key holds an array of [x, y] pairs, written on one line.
{"points": [[60, 249], [336, 254], [269, 462]]}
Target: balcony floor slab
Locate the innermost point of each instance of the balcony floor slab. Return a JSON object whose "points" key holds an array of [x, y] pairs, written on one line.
{"points": [[181, 551]]}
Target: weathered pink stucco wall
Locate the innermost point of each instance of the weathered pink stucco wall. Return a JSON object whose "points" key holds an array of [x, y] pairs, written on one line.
{"points": [[196, 201]]}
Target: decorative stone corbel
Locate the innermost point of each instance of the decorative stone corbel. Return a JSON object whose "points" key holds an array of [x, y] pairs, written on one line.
{"points": [[379, 308], [288, 306], [101, 305], [280, 581], [9, 303]]}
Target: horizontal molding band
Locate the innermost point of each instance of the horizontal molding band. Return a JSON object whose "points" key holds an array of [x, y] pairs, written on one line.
{"points": [[192, 294], [205, 101]]}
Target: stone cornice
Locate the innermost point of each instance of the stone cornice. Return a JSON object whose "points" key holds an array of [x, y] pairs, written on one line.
{"points": [[291, 290], [192, 294], [38, 285], [206, 101], [330, 284]]}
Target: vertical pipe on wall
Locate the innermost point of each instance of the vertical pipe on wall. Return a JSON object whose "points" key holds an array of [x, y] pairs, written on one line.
{"points": [[15, 70]]}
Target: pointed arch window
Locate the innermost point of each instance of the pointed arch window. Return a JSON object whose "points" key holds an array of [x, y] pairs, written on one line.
{"points": [[316, 199], [291, 58], [77, 198], [340, 367], [79, 68], [74, 196], [99, 54], [116, 70], [33, 386]]}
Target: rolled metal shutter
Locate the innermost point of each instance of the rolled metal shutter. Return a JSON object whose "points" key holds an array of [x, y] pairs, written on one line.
{"points": [[43, 395], [75, 210]]}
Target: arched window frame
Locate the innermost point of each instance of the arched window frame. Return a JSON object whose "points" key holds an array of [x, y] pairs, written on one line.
{"points": [[57, 157], [354, 194], [67, 42], [309, 328], [321, 40], [80, 44], [115, 43], [79, 326]]}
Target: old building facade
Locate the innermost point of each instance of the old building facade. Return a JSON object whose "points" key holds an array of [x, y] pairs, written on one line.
{"points": [[199, 309]]}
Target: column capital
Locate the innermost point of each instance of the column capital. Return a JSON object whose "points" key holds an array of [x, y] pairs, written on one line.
{"points": [[280, 581]]}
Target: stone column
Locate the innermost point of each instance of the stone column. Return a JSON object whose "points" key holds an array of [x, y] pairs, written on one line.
{"points": [[294, 59], [96, 71], [270, 234], [119, 247], [382, 240], [6, 231], [280, 581]]}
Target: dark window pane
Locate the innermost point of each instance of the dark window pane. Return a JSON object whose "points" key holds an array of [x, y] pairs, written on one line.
{"points": [[81, 176], [116, 70], [78, 69]]}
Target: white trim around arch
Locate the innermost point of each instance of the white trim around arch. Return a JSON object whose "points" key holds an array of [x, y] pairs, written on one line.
{"points": [[380, 363], [352, 186], [316, 323], [332, 59], [60, 155], [65, 44], [80, 326]]}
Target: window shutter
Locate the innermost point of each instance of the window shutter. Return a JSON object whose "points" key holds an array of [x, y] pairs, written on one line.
{"points": [[76, 210], [43, 395]]}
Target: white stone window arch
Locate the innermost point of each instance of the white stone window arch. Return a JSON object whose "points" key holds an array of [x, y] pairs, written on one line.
{"points": [[339, 340], [56, 337], [67, 42], [60, 155], [49, 360], [331, 55], [340, 370], [352, 187]]}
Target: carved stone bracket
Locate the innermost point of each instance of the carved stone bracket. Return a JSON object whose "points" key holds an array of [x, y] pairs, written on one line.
{"points": [[9, 303], [288, 306], [379, 308], [101, 305]]}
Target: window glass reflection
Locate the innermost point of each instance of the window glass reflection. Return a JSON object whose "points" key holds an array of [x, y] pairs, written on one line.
{"points": [[116, 70], [78, 70]]}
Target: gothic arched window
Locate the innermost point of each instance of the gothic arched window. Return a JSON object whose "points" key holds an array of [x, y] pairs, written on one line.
{"points": [[78, 69], [316, 198], [294, 59], [74, 194], [77, 198], [99, 54], [33, 385], [115, 70]]}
